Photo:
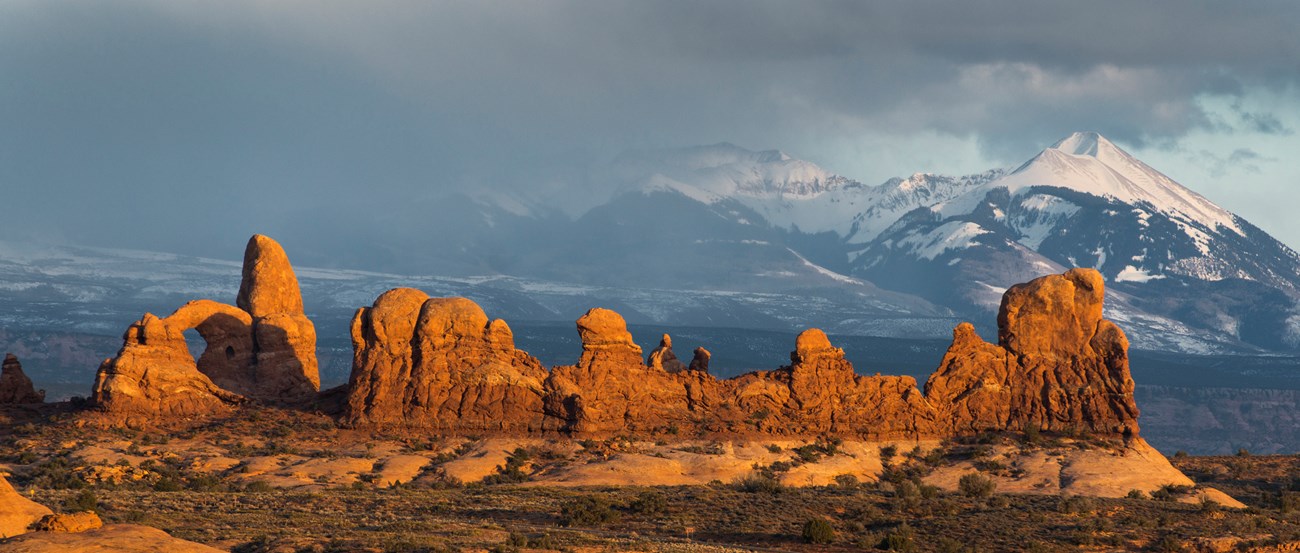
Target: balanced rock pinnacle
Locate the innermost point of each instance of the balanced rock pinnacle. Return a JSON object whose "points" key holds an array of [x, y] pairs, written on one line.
{"points": [[15, 387], [285, 368], [663, 358]]}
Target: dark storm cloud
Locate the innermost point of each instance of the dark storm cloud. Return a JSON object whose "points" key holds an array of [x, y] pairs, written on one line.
{"points": [[199, 117]]}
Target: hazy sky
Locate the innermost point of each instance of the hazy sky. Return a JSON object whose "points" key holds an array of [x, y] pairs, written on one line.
{"points": [[169, 123]]}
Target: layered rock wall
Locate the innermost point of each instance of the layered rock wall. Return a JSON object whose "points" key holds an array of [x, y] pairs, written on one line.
{"points": [[438, 363]]}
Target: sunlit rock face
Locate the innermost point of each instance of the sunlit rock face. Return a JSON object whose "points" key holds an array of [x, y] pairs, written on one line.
{"points": [[440, 363], [1058, 365], [263, 349]]}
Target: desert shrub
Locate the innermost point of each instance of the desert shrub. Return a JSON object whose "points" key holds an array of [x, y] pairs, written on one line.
{"points": [[512, 472], [1136, 494], [976, 485], [167, 484], [258, 486], [83, 501], [587, 511], [1288, 502], [818, 530], [1032, 435], [901, 539], [906, 489], [1243, 452], [887, 453], [1076, 504], [948, 545], [927, 491], [1167, 544], [758, 483], [648, 503], [56, 474], [1170, 492], [773, 448], [846, 480]]}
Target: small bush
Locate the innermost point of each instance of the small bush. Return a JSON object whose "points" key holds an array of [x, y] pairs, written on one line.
{"points": [[1170, 492], [1167, 544], [887, 454], [83, 501], [846, 480], [757, 483], [1136, 494], [901, 539], [648, 503], [976, 485], [587, 511], [818, 530]]}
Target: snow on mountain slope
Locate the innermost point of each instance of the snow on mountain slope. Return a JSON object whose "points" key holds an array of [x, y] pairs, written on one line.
{"points": [[788, 193]]}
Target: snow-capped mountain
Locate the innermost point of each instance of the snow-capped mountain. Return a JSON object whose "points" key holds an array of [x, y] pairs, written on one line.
{"points": [[1166, 250]]}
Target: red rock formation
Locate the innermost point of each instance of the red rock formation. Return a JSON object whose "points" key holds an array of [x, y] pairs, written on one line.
{"points": [[1057, 365], [155, 376], [264, 349], [819, 393], [662, 358], [15, 387], [701, 360], [440, 363], [284, 369], [611, 390]]}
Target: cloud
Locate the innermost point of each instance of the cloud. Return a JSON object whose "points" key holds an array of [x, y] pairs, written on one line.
{"points": [[153, 107]]}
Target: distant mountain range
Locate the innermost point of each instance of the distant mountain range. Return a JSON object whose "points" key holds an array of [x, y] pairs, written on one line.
{"points": [[727, 237]]}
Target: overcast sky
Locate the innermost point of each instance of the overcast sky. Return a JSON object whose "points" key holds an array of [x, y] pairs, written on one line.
{"points": [[168, 123]]}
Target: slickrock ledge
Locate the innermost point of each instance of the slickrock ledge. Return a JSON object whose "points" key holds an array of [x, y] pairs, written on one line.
{"points": [[440, 364], [262, 349]]}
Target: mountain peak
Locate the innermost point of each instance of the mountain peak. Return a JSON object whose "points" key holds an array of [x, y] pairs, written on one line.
{"points": [[1085, 144]]}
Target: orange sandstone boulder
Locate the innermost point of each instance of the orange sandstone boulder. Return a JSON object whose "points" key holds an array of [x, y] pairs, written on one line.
{"points": [[440, 363], [15, 387], [69, 522], [17, 513]]}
